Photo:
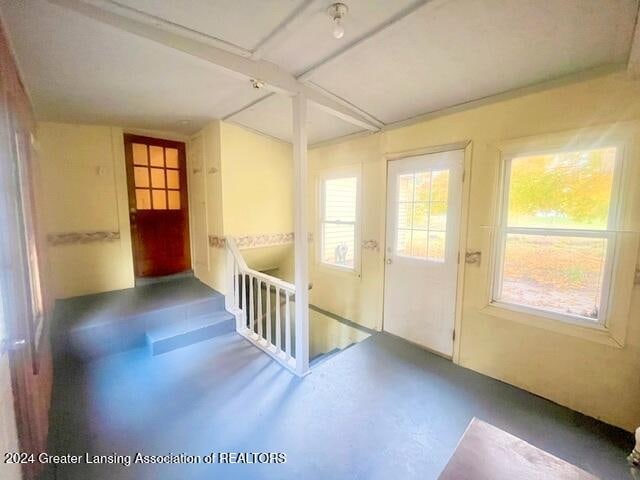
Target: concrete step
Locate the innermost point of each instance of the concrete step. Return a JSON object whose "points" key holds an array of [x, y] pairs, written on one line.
{"points": [[318, 359], [191, 330], [112, 322], [323, 357], [142, 281]]}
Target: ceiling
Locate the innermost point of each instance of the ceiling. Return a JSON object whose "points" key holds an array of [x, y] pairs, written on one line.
{"points": [[397, 60]]}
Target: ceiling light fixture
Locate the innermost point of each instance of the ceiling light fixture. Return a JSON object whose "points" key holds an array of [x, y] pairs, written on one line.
{"points": [[337, 12], [257, 83]]}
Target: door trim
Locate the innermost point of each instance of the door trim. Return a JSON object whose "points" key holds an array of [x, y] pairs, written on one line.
{"points": [[467, 147], [129, 138]]}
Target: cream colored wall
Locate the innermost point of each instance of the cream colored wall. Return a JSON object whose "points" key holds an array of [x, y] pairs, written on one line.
{"points": [[597, 379], [205, 205], [84, 190], [257, 185], [248, 190], [326, 334], [354, 296]]}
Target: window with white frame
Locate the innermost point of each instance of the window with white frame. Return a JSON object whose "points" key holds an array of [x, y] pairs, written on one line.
{"points": [[339, 219], [556, 235], [422, 215]]}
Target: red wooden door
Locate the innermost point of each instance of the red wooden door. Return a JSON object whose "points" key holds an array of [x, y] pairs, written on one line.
{"points": [[157, 181]]}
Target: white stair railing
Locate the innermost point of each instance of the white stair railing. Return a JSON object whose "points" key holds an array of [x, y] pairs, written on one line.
{"points": [[263, 308]]}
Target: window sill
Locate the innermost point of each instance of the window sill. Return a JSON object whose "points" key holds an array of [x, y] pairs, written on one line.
{"points": [[336, 270], [595, 333]]}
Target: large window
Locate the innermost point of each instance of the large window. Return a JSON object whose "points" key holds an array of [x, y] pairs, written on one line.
{"points": [[556, 235], [339, 220]]}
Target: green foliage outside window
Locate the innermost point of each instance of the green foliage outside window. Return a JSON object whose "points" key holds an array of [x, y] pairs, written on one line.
{"points": [[566, 190]]}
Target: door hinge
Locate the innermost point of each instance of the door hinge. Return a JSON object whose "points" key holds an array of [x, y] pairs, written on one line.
{"points": [[454, 335], [464, 175]]}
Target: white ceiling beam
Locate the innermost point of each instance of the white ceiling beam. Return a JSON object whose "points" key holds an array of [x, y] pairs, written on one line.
{"points": [[164, 24], [274, 77], [302, 14], [247, 106], [369, 35], [346, 103], [323, 91], [633, 65], [285, 29]]}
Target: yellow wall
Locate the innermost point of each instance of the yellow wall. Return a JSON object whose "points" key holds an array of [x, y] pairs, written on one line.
{"points": [[354, 296], [257, 185], [257, 182], [84, 190], [205, 205], [248, 190], [597, 379], [326, 334]]}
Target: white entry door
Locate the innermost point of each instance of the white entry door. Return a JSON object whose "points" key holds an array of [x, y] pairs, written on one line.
{"points": [[424, 199]]}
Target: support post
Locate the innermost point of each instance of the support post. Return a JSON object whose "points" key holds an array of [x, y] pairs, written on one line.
{"points": [[229, 296], [301, 233]]}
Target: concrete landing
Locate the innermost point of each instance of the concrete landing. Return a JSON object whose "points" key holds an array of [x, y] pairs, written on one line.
{"points": [[142, 281], [161, 313]]}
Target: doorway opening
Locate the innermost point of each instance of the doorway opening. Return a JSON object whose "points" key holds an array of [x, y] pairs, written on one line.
{"points": [[424, 203], [158, 206]]}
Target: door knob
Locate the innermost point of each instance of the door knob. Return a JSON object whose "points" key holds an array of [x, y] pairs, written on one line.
{"points": [[389, 261], [7, 345]]}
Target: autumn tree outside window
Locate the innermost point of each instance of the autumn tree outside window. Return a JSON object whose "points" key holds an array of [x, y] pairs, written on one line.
{"points": [[556, 236]]}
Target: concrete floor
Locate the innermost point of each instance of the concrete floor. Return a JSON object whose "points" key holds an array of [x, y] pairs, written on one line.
{"points": [[381, 409]]}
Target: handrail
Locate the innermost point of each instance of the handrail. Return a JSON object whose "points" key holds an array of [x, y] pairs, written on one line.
{"points": [[264, 310], [244, 268]]}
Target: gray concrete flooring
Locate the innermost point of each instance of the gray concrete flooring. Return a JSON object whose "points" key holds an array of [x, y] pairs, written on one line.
{"points": [[110, 322], [111, 307], [383, 409]]}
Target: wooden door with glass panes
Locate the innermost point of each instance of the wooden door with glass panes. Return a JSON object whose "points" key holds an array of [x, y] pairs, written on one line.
{"points": [[158, 208]]}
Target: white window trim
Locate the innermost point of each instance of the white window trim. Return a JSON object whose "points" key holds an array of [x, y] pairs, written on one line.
{"points": [[609, 234], [410, 169], [340, 172], [612, 331]]}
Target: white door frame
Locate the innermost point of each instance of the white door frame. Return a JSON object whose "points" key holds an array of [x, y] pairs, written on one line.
{"points": [[467, 146]]}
